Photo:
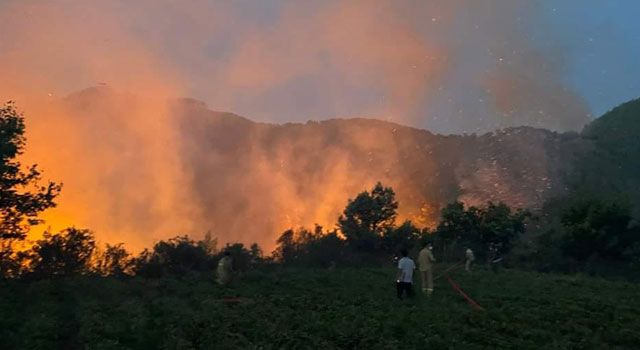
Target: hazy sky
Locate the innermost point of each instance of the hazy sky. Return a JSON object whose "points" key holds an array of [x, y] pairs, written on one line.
{"points": [[449, 66], [603, 38]]}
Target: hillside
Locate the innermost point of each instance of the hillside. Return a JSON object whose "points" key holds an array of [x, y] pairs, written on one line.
{"points": [[612, 166], [190, 169], [307, 172]]}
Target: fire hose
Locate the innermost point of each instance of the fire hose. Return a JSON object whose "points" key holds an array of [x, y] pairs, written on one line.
{"points": [[457, 288]]}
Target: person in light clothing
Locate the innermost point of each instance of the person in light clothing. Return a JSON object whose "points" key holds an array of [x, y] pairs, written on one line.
{"points": [[404, 279], [469, 258], [425, 261], [224, 270]]}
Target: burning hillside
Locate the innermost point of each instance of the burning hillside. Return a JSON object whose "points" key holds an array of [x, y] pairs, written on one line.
{"points": [[137, 169]]}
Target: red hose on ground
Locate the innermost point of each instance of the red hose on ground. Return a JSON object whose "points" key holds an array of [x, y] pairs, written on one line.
{"points": [[459, 290]]}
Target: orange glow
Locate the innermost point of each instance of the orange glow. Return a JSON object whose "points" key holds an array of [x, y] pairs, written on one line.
{"points": [[118, 154]]}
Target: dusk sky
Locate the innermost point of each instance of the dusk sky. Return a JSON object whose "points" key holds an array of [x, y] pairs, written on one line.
{"points": [[450, 67]]}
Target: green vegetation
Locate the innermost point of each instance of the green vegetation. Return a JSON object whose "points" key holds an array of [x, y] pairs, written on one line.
{"points": [[303, 308], [67, 292], [611, 166]]}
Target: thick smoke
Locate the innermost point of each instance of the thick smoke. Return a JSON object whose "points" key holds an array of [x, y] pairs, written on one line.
{"points": [[123, 156]]}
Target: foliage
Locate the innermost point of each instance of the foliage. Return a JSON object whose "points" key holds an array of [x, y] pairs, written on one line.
{"points": [[612, 164], [63, 254], [181, 255], [315, 248], [458, 226], [22, 197], [115, 260], [175, 256], [242, 257], [340, 309], [405, 236], [499, 224], [209, 243], [368, 216], [594, 227], [478, 228]]}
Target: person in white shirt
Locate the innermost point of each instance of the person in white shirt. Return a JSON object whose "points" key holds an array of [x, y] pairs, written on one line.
{"points": [[469, 258], [404, 282]]}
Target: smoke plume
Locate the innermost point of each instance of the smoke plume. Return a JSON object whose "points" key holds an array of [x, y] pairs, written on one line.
{"points": [[133, 169]]}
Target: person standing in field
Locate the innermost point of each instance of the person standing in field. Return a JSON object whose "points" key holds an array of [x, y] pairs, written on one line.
{"points": [[404, 280], [469, 258], [224, 270], [491, 255], [426, 260]]}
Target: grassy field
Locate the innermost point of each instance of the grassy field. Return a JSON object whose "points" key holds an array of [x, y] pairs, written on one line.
{"points": [[345, 308]]}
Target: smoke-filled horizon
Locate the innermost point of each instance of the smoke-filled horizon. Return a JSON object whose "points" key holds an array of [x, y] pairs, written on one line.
{"points": [[448, 67], [189, 170]]}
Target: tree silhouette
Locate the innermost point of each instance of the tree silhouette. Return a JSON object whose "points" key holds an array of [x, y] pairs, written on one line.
{"points": [[368, 216], [405, 236], [22, 198], [115, 261], [595, 227], [175, 256], [478, 228], [458, 225], [62, 254], [287, 250], [499, 224]]}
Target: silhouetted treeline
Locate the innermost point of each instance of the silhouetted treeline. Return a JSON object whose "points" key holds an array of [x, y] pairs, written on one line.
{"points": [[591, 228], [572, 234], [576, 232], [367, 233]]}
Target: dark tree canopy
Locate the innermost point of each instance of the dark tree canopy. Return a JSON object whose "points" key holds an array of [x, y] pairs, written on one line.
{"points": [[115, 260], [595, 227], [368, 216], [22, 198], [499, 224], [62, 254], [478, 227], [304, 247], [175, 256]]}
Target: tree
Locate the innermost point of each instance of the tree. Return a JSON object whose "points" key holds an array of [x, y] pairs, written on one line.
{"points": [[595, 227], [256, 253], [286, 250], [458, 225], [114, 261], [368, 216], [404, 236], [241, 256], [22, 197], [175, 256], [315, 248], [479, 227], [209, 243], [498, 224], [62, 254]]}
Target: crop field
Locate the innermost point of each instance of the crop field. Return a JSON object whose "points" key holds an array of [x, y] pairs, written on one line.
{"points": [[297, 309]]}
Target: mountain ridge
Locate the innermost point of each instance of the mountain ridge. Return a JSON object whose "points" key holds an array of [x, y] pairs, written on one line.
{"points": [[247, 181]]}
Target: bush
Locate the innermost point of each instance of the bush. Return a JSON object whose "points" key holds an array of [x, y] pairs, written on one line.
{"points": [[62, 254], [176, 256], [114, 261]]}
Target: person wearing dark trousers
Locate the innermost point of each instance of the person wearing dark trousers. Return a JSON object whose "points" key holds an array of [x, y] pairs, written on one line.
{"points": [[404, 279]]}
